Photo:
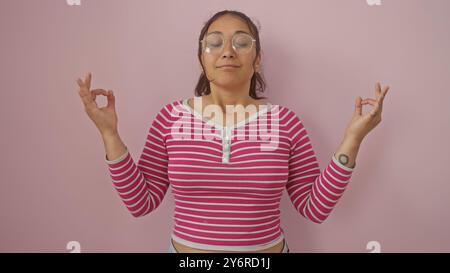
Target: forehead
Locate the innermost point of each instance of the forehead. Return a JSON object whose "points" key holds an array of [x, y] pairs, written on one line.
{"points": [[228, 25]]}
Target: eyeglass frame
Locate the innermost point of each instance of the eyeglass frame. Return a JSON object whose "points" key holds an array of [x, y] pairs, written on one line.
{"points": [[202, 41]]}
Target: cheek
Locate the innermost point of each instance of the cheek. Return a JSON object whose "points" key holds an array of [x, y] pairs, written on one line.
{"points": [[248, 67], [248, 61], [209, 61]]}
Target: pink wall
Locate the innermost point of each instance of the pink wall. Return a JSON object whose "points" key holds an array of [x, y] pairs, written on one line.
{"points": [[318, 56]]}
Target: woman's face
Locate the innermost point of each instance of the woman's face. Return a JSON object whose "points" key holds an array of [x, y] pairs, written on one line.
{"points": [[226, 77]]}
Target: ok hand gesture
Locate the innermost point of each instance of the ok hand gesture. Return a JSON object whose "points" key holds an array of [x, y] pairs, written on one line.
{"points": [[361, 125], [105, 118]]}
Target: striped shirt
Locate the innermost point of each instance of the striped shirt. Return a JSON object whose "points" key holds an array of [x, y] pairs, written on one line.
{"points": [[227, 182]]}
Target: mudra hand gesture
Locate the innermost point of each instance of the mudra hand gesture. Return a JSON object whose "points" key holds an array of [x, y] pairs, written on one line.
{"points": [[105, 118], [361, 125]]}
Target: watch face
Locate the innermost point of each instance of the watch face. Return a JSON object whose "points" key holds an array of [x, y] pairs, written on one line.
{"points": [[343, 159]]}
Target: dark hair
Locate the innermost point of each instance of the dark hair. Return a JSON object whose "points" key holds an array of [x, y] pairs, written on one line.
{"points": [[257, 81]]}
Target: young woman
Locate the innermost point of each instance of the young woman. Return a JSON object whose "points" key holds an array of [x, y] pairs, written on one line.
{"points": [[227, 186]]}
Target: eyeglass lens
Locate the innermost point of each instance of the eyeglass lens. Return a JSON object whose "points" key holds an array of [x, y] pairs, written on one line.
{"points": [[241, 42]]}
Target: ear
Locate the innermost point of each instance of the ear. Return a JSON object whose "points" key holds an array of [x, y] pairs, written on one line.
{"points": [[258, 63], [201, 61], [200, 65]]}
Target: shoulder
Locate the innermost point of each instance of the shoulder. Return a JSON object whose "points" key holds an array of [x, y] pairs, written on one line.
{"points": [[173, 108], [286, 114], [292, 124], [168, 114]]}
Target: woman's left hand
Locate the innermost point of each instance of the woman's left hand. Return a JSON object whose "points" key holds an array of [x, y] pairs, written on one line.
{"points": [[361, 125]]}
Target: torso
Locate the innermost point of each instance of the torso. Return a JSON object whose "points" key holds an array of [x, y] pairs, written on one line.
{"points": [[181, 248]]}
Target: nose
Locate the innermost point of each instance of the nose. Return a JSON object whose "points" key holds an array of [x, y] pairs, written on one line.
{"points": [[228, 50]]}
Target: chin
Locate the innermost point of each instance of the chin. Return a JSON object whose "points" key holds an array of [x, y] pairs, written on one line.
{"points": [[225, 83]]}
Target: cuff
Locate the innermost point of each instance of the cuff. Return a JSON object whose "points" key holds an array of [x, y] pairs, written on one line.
{"points": [[343, 166], [117, 160]]}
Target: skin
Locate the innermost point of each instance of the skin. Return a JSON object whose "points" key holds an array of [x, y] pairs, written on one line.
{"points": [[105, 118], [360, 125], [229, 87]]}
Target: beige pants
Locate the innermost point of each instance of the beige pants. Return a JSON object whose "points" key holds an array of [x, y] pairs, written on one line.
{"points": [[173, 250]]}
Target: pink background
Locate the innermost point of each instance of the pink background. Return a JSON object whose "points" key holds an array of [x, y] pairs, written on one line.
{"points": [[318, 56]]}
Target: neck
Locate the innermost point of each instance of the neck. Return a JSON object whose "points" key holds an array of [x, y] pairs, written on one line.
{"points": [[223, 96]]}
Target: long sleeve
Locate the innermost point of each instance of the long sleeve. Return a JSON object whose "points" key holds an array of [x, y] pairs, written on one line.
{"points": [[314, 193], [142, 187]]}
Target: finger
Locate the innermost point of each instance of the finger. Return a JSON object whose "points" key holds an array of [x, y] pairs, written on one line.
{"points": [[82, 85], [97, 92], [376, 106], [372, 101], [384, 92], [377, 90], [111, 100], [358, 106], [84, 94], [87, 98], [88, 80], [80, 82]]}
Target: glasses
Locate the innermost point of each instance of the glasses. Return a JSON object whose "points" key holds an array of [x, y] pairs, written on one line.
{"points": [[214, 42]]}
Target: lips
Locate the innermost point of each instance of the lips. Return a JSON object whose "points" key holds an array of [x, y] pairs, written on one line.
{"points": [[228, 66]]}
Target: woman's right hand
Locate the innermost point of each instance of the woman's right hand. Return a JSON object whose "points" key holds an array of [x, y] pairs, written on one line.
{"points": [[104, 118]]}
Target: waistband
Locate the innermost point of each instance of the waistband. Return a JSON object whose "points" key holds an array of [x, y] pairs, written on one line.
{"points": [[173, 250]]}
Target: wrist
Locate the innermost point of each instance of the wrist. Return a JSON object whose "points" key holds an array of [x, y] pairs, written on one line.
{"points": [[354, 140], [109, 135], [344, 161]]}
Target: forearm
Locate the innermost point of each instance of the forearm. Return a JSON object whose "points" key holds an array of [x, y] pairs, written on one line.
{"points": [[329, 184], [114, 147], [132, 189], [347, 151]]}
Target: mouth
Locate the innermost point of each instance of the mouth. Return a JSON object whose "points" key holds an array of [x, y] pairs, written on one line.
{"points": [[228, 66]]}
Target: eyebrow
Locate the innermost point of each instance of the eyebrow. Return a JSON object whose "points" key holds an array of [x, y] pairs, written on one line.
{"points": [[237, 31]]}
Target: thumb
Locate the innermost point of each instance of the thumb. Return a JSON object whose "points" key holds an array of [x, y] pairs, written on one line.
{"points": [[111, 100], [358, 106]]}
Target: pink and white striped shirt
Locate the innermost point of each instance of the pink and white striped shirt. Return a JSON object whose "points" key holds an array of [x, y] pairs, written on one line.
{"points": [[226, 186]]}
